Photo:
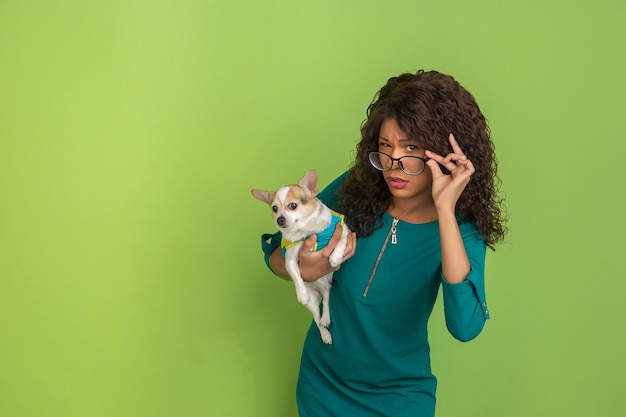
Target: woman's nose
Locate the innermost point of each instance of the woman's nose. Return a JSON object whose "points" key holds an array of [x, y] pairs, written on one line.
{"points": [[396, 158]]}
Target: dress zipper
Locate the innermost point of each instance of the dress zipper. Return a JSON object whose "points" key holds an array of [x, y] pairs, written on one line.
{"points": [[394, 240]]}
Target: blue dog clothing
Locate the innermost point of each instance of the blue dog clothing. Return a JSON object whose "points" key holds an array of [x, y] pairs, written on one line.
{"points": [[323, 237]]}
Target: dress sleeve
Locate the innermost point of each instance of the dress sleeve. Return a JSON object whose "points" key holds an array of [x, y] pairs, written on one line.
{"points": [[465, 304], [329, 196]]}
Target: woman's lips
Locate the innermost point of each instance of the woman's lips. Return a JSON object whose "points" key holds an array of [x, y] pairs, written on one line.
{"points": [[395, 182]]}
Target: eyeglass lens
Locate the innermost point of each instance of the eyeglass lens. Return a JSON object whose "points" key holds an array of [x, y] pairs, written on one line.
{"points": [[409, 164]]}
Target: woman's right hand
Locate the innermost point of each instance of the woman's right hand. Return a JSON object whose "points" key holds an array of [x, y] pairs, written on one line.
{"points": [[314, 265]]}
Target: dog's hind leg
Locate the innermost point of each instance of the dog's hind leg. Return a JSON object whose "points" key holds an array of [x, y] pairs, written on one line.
{"points": [[325, 319], [326, 336], [314, 308]]}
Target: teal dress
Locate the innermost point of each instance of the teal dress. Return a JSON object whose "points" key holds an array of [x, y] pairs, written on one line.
{"points": [[382, 297]]}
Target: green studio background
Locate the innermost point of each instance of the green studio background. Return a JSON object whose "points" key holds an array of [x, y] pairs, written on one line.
{"points": [[131, 277]]}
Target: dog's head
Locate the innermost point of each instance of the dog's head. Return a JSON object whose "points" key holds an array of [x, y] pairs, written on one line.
{"points": [[292, 204]]}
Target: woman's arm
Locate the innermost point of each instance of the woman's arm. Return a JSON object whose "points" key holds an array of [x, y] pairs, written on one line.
{"points": [[465, 305], [446, 190], [455, 265], [462, 251]]}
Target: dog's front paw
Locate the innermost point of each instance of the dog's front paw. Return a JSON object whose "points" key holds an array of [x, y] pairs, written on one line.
{"points": [[303, 297], [325, 321], [335, 259]]}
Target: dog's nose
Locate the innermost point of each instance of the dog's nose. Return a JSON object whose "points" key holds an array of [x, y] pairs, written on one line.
{"points": [[281, 221]]}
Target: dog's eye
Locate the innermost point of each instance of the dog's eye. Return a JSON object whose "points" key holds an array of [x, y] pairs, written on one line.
{"points": [[274, 209], [292, 206]]}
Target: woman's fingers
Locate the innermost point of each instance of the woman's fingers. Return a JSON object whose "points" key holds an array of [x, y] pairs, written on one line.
{"points": [[455, 145], [435, 168], [350, 246], [309, 244], [330, 247], [457, 153], [451, 161], [469, 166], [447, 162], [350, 242]]}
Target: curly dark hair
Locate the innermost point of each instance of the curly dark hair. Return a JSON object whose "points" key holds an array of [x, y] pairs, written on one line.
{"points": [[427, 106]]}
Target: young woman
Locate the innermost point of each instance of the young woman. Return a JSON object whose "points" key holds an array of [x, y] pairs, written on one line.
{"points": [[421, 199]]}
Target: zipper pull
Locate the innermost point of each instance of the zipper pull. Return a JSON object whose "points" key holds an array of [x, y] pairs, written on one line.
{"points": [[394, 239]]}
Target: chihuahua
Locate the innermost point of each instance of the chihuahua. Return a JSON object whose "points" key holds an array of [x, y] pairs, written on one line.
{"points": [[298, 213]]}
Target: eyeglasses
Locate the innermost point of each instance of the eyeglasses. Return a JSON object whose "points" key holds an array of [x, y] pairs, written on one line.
{"points": [[412, 165]]}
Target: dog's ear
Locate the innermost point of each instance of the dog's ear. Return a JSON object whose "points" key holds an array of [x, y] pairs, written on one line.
{"points": [[309, 181], [264, 196]]}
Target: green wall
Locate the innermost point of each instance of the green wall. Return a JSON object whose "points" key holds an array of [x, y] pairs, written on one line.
{"points": [[131, 281]]}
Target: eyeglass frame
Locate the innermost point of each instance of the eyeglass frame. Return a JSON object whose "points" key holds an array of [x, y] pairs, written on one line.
{"points": [[424, 160]]}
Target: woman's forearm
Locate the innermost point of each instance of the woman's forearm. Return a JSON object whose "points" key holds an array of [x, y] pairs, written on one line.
{"points": [[277, 263], [454, 261]]}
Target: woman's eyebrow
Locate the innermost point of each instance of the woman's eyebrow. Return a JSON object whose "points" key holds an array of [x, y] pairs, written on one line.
{"points": [[399, 140]]}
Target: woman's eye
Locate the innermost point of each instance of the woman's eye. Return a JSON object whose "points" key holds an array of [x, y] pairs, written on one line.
{"points": [[411, 148], [292, 206]]}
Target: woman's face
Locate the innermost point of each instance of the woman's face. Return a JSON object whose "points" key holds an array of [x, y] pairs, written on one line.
{"points": [[394, 142]]}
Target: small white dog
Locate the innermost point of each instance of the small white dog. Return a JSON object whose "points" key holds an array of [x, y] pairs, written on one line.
{"points": [[298, 213]]}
